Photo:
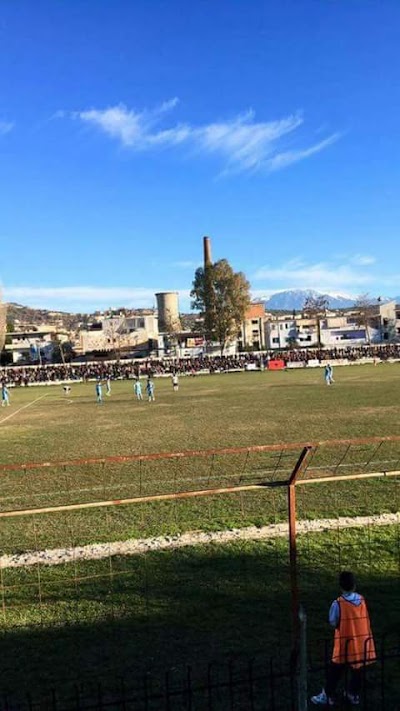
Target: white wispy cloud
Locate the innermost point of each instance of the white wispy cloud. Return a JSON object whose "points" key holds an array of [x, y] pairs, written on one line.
{"points": [[243, 143], [79, 298], [363, 260], [6, 127], [77, 293], [323, 276], [134, 129], [334, 277], [282, 160]]}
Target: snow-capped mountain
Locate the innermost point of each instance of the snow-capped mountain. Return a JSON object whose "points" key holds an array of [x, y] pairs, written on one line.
{"points": [[295, 299]]}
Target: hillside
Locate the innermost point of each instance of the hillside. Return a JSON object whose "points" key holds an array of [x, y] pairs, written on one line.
{"points": [[20, 316], [16, 313]]}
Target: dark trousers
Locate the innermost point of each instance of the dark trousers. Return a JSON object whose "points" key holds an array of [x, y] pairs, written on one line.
{"points": [[336, 671]]}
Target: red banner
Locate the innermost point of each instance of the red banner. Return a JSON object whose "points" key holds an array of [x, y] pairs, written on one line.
{"points": [[276, 365]]}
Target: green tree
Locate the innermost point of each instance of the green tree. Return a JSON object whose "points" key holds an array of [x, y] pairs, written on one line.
{"points": [[366, 314], [315, 307], [392, 335], [5, 338], [223, 297], [292, 342], [62, 350]]}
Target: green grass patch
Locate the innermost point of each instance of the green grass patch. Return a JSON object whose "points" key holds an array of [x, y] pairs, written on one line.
{"points": [[117, 616], [123, 615], [217, 411]]}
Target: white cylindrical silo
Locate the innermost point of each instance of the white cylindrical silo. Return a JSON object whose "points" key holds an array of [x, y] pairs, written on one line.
{"points": [[168, 312]]}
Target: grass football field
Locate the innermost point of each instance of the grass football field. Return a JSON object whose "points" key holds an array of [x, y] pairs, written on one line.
{"points": [[222, 410], [108, 617], [227, 410]]}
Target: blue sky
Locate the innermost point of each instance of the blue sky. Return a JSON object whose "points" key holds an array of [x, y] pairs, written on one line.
{"points": [[128, 130]]}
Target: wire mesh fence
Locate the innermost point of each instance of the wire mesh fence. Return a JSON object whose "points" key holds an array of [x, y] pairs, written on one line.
{"points": [[111, 566], [115, 480]]}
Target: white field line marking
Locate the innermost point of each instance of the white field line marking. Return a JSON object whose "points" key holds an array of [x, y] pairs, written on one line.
{"points": [[22, 408], [137, 546]]}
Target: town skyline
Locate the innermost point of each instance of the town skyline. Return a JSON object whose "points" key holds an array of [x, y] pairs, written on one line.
{"points": [[284, 300]]}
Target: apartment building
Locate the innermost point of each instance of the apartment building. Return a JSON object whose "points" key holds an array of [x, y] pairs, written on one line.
{"points": [[286, 331], [35, 345], [397, 321], [252, 333], [119, 333], [344, 329]]}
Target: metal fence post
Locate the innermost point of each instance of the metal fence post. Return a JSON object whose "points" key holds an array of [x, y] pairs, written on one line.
{"points": [[302, 668], [300, 466]]}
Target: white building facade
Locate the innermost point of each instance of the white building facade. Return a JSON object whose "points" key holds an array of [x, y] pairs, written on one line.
{"points": [[120, 332], [34, 346], [340, 330]]}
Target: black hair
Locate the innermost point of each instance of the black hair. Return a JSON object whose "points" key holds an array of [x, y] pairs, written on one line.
{"points": [[347, 581]]}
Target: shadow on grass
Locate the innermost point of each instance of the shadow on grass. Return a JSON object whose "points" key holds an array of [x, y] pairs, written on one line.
{"points": [[171, 609]]}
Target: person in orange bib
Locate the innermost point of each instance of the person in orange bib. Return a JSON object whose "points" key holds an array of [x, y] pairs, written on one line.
{"points": [[353, 646]]}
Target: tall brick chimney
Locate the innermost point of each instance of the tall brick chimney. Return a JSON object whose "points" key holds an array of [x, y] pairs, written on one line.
{"points": [[207, 251]]}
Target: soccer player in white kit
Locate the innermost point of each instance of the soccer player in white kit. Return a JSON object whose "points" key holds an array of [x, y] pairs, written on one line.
{"points": [[137, 388]]}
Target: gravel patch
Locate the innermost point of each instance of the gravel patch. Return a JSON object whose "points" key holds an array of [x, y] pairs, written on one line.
{"points": [[136, 546]]}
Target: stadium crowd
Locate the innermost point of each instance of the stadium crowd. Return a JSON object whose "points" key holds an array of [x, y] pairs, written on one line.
{"points": [[34, 374], [25, 375], [352, 353]]}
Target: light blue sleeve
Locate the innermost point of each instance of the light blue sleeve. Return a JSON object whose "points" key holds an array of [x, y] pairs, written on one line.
{"points": [[334, 614]]}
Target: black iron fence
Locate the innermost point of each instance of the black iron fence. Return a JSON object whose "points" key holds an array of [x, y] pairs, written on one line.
{"points": [[239, 684]]}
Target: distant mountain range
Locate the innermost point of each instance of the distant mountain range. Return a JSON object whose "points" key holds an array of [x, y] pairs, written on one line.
{"points": [[295, 299], [289, 300]]}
